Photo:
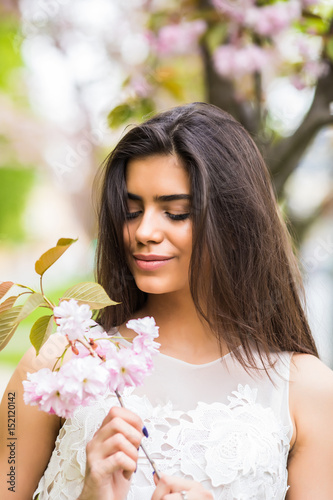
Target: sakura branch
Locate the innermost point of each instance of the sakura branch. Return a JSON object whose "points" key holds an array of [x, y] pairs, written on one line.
{"points": [[100, 362]]}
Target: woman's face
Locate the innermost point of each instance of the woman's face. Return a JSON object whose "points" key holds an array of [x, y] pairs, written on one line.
{"points": [[158, 230]]}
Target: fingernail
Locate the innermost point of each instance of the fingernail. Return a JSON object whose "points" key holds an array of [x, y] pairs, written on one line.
{"points": [[154, 472], [144, 430]]}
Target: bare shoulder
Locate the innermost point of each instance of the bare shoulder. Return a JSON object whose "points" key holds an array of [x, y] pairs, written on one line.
{"points": [[310, 378], [51, 350], [311, 394], [311, 408]]}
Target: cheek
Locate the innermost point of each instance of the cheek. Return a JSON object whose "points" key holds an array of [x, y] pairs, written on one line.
{"points": [[184, 241]]}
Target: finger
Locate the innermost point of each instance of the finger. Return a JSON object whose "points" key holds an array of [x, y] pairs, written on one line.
{"points": [[118, 461], [97, 451], [125, 414], [175, 496], [119, 426], [116, 443], [175, 484], [168, 485]]}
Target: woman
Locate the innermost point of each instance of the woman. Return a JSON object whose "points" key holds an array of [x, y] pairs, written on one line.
{"points": [[238, 406]]}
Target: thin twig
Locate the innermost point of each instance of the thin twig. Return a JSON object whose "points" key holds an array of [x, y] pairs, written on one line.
{"points": [[152, 463]]}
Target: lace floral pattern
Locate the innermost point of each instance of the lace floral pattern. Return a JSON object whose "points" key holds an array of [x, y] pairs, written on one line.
{"points": [[237, 450]]}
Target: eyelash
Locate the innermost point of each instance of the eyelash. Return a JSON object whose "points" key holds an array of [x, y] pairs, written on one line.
{"points": [[174, 217]]}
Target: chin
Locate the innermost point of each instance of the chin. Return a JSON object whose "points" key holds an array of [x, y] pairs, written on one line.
{"points": [[154, 286]]}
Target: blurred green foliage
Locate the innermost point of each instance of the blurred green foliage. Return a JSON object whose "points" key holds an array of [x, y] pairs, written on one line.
{"points": [[10, 54], [15, 187]]}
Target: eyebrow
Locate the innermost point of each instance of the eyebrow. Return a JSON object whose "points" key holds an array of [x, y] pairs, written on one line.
{"points": [[162, 198]]}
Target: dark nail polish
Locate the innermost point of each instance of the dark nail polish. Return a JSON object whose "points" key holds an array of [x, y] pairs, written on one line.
{"points": [[145, 432], [154, 472]]}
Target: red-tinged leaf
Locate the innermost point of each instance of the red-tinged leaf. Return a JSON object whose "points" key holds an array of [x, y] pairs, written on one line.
{"points": [[40, 332], [92, 294], [52, 255], [8, 325], [4, 287], [33, 301], [8, 303]]}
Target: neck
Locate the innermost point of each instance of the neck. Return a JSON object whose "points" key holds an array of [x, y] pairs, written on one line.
{"points": [[183, 333]]}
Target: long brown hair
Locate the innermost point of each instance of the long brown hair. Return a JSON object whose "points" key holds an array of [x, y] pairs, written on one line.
{"points": [[255, 290]]}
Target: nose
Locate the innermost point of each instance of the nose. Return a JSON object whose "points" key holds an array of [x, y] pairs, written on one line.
{"points": [[149, 228]]}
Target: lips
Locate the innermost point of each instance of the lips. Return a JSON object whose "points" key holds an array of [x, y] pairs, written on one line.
{"points": [[150, 262]]}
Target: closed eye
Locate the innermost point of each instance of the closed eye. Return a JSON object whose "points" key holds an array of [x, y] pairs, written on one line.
{"points": [[132, 215], [178, 216], [174, 217]]}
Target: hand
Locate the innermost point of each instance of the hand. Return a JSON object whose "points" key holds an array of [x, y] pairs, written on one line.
{"points": [[170, 488], [112, 456]]}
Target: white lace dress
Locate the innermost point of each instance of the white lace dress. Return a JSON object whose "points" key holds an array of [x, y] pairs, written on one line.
{"points": [[213, 423]]}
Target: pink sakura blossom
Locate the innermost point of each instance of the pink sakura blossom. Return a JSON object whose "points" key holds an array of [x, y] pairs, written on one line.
{"points": [[144, 326], [85, 377], [232, 62], [37, 385], [45, 390], [103, 345], [126, 369], [272, 19], [72, 319], [77, 383], [143, 344], [179, 38]]}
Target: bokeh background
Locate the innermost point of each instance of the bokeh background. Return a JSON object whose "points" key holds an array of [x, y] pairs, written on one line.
{"points": [[75, 73]]}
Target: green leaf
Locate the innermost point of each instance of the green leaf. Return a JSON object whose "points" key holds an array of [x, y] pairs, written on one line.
{"points": [[52, 255], [329, 48], [8, 325], [33, 301], [145, 107], [89, 293], [215, 36], [4, 287], [8, 303], [119, 115], [40, 332]]}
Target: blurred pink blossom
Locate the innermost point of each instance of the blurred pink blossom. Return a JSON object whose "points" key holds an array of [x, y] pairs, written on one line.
{"points": [[179, 38], [308, 3], [72, 319], [233, 9], [272, 19], [316, 69], [311, 71], [231, 61], [140, 86]]}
